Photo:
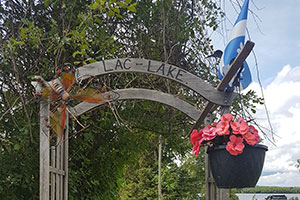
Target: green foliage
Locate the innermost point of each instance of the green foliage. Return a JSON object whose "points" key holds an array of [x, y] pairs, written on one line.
{"points": [[184, 181], [269, 189], [115, 156], [100, 153], [249, 101], [37, 37], [233, 195]]}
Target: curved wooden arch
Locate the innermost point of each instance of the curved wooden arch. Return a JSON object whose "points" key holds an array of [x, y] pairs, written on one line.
{"points": [[144, 94], [54, 164], [157, 68]]}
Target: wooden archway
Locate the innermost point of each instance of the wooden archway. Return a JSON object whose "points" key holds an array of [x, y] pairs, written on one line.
{"points": [[54, 160]]}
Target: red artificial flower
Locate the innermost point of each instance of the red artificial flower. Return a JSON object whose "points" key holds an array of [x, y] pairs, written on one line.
{"points": [[239, 127], [222, 128], [196, 148], [236, 131], [209, 132], [196, 136], [235, 146], [253, 130], [227, 117], [250, 138]]}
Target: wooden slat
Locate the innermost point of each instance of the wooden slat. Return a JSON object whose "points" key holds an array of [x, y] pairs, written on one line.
{"points": [[66, 158], [52, 174], [61, 192], [44, 151], [144, 94], [55, 171], [58, 176], [237, 63]]}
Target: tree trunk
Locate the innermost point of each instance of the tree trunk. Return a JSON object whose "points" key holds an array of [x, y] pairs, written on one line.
{"points": [[159, 168]]}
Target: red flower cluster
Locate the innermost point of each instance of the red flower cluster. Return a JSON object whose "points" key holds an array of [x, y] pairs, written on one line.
{"points": [[235, 133]]}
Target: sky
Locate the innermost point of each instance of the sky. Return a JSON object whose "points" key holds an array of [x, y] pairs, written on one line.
{"points": [[274, 27]]}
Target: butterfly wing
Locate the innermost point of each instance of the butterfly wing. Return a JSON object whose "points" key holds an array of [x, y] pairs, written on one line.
{"points": [[58, 121], [67, 80], [48, 94], [89, 95]]}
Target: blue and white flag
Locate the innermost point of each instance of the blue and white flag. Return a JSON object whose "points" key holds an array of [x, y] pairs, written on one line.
{"points": [[235, 44]]}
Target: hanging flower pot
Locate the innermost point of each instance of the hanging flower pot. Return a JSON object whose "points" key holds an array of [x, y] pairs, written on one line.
{"points": [[235, 158], [238, 171]]}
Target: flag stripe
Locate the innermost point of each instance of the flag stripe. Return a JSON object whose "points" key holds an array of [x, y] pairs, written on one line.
{"points": [[244, 12], [238, 30]]}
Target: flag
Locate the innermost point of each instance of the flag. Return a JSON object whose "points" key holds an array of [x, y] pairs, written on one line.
{"points": [[235, 44]]}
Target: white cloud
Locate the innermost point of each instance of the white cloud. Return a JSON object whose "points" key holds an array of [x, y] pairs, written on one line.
{"points": [[287, 179], [282, 97]]}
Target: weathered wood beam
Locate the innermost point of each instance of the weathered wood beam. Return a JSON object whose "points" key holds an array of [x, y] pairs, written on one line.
{"points": [[165, 70], [234, 67], [144, 94], [66, 158], [44, 150]]}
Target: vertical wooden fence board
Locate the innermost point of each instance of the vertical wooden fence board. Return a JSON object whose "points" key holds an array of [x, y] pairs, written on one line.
{"points": [[44, 150], [57, 182], [66, 158], [61, 192], [223, 194], [52, 174]]}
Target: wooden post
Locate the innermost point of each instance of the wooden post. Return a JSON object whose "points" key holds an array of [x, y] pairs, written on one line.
{"points": [[66, 158], [44, 150], [52, 174], [212, 192]]}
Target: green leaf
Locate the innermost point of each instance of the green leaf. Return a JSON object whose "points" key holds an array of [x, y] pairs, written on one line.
{"points": [[22, 33], [47, 3], [116, 10], [132, 8], [90, 60], [111, 13], [102, 2], [75, 53], [16, 42], [16, 147], [94, 6]]}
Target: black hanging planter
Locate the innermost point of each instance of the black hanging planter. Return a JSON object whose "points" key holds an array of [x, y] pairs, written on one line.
{"points": [[238, 171]]}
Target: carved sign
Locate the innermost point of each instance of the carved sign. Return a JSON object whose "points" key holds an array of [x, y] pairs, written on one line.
{"points": [[157, 68]]}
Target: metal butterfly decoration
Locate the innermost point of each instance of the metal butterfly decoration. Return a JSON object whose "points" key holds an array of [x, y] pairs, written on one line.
{"points": [[58, 90]]}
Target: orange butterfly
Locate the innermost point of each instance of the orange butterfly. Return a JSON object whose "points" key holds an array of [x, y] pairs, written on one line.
{"points": [[58, 90]]}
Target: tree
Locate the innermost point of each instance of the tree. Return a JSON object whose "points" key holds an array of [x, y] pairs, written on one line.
{"points": [[167, 31], [37, 38]]}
